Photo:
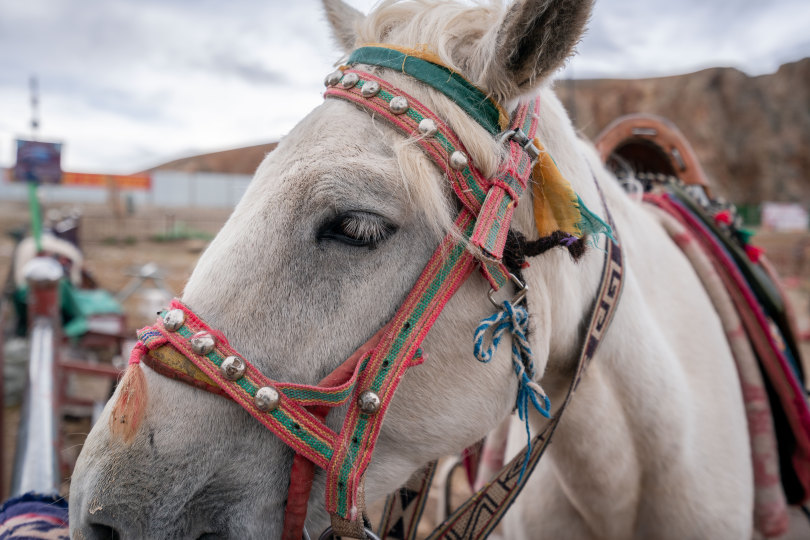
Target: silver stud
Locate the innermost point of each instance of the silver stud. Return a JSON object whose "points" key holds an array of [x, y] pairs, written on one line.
{"points": [[398, 105], [427, 127], [233, 368], [202, 343], [349, 80], [370, 89], [174, 319], [458, 160], [267, 399], [369, 402], [333, 78]]}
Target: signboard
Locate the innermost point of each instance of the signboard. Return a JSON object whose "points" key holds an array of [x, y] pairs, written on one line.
{"points": [[784, 216], [38, 162], [120, 181]]}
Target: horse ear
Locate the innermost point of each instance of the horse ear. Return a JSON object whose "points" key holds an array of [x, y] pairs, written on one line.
{"points": [[534, 39], [343, 18]]}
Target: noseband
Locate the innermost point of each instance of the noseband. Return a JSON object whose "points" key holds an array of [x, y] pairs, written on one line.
{"points": [[182, 346]]}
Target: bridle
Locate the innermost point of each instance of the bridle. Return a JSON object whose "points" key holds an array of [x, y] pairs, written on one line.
{"points": [[182, 346]]}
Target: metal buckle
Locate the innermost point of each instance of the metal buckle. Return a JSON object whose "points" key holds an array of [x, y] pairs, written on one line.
{"points": [[523, 141], [328, 534], [520, 295]]}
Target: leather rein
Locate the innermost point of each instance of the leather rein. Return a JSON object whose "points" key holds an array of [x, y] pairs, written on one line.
{"points": [[182, 346]]}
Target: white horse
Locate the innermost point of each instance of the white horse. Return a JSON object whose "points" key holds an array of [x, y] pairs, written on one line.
{"points": [[333, 231]]}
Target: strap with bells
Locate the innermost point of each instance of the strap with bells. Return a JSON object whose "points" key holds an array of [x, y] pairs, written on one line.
{"points": [[488, 206]]}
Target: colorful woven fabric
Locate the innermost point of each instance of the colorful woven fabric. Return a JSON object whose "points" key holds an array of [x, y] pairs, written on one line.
{"points": [[770, 506], [449, 267], [32, 516], [495, 216], [780, 374], [481, 513]]}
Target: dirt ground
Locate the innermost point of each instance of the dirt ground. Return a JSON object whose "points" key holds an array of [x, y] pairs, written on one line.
{"points": [[114, 246]]}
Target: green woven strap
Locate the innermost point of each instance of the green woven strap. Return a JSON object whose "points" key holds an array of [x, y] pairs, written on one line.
{"points": [[463, 93]]}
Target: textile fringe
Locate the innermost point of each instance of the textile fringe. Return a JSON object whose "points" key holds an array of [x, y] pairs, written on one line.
{"points": [[558, 210], [515, 320], [130, 407]]}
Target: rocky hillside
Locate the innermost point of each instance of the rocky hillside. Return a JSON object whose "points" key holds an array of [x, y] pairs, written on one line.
{"points": [[752, 134], [234, 161]]}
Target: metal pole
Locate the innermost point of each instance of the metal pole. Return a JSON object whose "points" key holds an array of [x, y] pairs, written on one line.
{"points": [[36, 460], [33, 85]]}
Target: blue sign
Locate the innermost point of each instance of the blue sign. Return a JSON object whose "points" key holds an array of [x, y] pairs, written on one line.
{"points": [[38, 162]]}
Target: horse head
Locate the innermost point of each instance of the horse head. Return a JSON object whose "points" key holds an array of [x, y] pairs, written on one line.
{"points": [[330, 237]]}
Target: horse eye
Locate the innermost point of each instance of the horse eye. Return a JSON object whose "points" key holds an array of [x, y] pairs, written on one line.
{"points": [[359, 229]]}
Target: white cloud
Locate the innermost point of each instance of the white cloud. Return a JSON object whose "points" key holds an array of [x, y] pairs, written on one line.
{"points": [[129, 83]]}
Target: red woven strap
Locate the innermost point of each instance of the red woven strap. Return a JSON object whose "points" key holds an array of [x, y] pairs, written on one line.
{"points": [[303, 470], [291, 421], [469, 185], [495, 216], [492, 201], [449, 267]]}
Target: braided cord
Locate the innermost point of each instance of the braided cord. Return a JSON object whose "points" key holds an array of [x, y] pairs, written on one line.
{"points": [[515, 319]]}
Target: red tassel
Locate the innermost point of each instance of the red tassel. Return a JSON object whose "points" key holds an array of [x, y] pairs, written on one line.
{"points": [[754, 253]]}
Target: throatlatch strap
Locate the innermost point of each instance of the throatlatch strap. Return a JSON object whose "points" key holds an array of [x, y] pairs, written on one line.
{"points": [[446, 271], [482, 512]]}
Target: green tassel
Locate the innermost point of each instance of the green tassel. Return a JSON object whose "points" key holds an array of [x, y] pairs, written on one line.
{"points": [[745, 235], [592, 225]]}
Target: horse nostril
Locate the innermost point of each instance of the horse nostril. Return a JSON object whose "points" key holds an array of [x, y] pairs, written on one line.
{"points": [[103, 532]]}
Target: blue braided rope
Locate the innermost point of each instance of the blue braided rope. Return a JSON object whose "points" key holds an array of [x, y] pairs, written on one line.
{"points": [[515, 319]]}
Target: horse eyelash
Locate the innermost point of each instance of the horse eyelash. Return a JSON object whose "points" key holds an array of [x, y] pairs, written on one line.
{"points": [[358, 229]]}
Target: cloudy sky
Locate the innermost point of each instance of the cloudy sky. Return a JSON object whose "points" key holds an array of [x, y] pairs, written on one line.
{"points": [[127, 84]]}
